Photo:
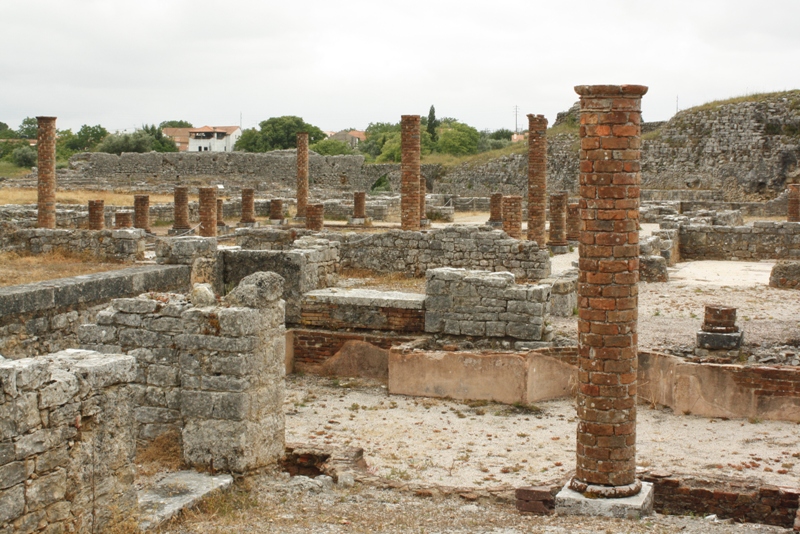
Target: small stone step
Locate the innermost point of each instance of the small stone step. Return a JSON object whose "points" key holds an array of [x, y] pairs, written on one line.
{"points": [[184, 489]]}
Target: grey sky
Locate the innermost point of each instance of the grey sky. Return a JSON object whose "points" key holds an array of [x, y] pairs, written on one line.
{"points": [[342, 64]]}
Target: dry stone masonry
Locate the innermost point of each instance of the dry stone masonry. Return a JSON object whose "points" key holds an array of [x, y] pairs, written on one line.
{"points": [[46, 168], [537, 178], [410, 168]]}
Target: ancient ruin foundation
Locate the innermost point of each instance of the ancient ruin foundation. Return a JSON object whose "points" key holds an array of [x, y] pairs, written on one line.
{"points": [[558, 223], [315, 214], [607, 291], [141, 212], [495, 210], [410, 172], [573, 221], [181, 208], [123, 219], [302, 173], [359, 205], [97, 219], [793, 211], [208, 211], [537, 178], [46, 169], [248, 206], [512, 216]]}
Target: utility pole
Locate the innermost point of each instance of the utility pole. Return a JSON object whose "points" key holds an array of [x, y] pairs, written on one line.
{"points": [[516, 114], [676, 104]]}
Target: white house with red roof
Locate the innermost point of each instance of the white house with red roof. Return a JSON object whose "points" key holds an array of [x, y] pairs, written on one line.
{"points": [[213, 138]]}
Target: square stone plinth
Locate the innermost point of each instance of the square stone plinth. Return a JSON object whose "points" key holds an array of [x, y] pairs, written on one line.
{"points": [[719, 341], [569, 502]]}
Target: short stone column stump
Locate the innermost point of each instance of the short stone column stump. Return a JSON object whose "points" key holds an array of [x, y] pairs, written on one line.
{"points": [[719, 330]]}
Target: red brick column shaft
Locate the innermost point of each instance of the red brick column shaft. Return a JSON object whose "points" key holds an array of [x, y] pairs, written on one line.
{"points": [[423, 190], [46, 169], [248, 206], [208, 212], [97, 215], [276, 209], [359, 205], [123, 219], [558, 219], [141, 212], [409, 172], [220, 220], [793, 211], [315, 217], [496, 207], [537, 178], [302, 173], [607, 289], [573, 221], [512, 216], [180, 208]]}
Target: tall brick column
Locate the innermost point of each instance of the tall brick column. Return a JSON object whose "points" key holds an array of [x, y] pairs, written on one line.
{"points": [[409, 172], [537, 178], [46, 169], [495, 210], [423, 190], [573, 221], [302, 174], [360, 205], [248, 206], [315, 217], [276, 209], [512, 216], [558, 223], [97, 215], [141, 212], [607, 289], [180, 208], [208, 212], [793, 211]]}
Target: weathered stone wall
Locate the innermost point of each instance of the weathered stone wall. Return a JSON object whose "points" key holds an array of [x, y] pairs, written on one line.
{"points": [[213, 372], [485, 304], [765, 240], [786, 275], [66, 442], [115, 245], [470, 247], [44, 317]]}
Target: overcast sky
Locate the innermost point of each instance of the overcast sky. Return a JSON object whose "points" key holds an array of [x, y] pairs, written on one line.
{"points": [[341, 64]]}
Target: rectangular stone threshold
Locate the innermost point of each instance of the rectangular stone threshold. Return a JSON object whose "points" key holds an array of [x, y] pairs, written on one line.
{"points": [[184, 489]]}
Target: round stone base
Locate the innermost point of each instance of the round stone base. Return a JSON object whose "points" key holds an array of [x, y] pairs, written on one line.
{"points": [[596, 491]]}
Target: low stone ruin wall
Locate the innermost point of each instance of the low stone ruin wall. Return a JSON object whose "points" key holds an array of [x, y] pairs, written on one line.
{"points": [[44, 317], [212, 372], [776, 207], [764, 240], [689, 195], [563, 293], [469, 247], [66, 442], [363, 309], [125, 245], [785, 275]]}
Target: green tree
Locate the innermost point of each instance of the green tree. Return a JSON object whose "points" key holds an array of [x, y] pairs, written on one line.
{"points": [[331, 147], [250, 141], [6, 132], [279, 133], [8, 146], [29, 128], [160, 143], [391, 149], [432, 123], [3, 126], [376, 135], [24, 156], [457, 139], [175, 124], [501, 134], [139, 141], [87, 137]]}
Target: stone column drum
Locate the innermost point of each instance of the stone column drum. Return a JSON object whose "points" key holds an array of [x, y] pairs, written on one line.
{"points": [[409, 172], [141, 212], [537, 178], [276, 209], [123, 219], [607, 290], [208, 212], [558, 223], [248, 206], [315, 217], [46, 170], [180, 208], [97, 215], [495, 210], [302, 174], [512, 216], [793, 210], [360, 205], [423, 190], [573, 221]]}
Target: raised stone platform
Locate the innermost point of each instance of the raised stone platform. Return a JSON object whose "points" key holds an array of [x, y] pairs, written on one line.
{"points": [[569, 502]]}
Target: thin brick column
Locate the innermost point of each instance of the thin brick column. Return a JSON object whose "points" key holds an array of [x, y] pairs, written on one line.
{"points": [[495, 210], [793, 211], [315, 217], [123, 219], [208, 212], [360, 205], [97, 215], [46, 169], [220, 220], [302, 173], [409, 172], [512, 216], [248, 206], [558, 222], [573, 221], [537, 178], [180, 200], [276, 209], [141, 212], [607, 289], [423, 190]]}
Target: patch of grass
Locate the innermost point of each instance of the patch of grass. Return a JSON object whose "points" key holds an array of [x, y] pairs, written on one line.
{"points": [[450, 161], [18, 268], [8, 169], [164, 452], [564, 128], [794, 96], [385, 281], [18, 195]]}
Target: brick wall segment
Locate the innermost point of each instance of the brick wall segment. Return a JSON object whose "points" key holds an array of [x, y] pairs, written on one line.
{"points": [[537, 178], [248, 206], [512, 216], [558, 219], [46, 170], [410, 172], [181, 208], [302, 173], [97, 215], [141, 212], [208, 211]]}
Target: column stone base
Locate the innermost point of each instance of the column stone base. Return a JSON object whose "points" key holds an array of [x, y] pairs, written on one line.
{"points": [[570, 502]]}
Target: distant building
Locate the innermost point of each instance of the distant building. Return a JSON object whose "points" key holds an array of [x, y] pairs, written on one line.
{"points": [[180, 136], [518, 138], [351, 137], [213, 138]]}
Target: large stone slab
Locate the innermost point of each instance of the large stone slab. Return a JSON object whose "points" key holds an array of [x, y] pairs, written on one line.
{"points": [[174, 493]]}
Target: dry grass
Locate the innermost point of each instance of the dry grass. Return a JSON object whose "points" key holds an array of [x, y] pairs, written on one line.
{"points": [[365, 278], [17, 195], [793, 96], [8, 169], [450, 161], [161, 454], [18, 268]]}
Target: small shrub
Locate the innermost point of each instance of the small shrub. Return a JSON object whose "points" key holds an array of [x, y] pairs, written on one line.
{"points": [[24, 156]]}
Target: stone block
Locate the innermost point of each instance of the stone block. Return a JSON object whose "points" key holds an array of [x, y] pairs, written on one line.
{"points": [[569, 502]]}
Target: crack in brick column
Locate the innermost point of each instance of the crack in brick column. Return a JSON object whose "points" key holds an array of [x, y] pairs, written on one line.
{"points": [[610, 177], [302, 173], [46, 171], [208, 212], [409, 172], [537, 179]]}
